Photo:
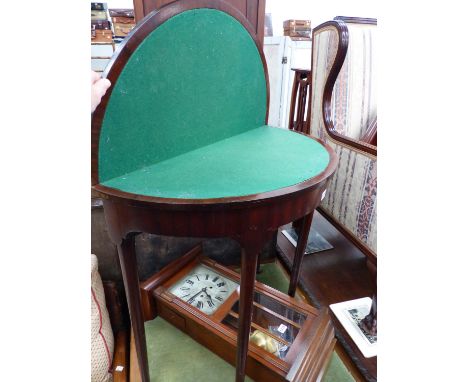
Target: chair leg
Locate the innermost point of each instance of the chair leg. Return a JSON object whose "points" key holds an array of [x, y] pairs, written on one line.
{"points": [[128, 264], [370, 321], [248, 272], [304, 228]]}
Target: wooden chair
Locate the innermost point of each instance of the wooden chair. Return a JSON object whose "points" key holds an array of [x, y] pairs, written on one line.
{"points": [[344, 114], [343, 109], [341, 94], [180, 147], [299, 115]]}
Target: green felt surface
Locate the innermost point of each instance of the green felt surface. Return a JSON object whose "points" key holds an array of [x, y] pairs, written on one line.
{"points": [[195, 80], [336, 371], [259, 160], [271, 275], [175, 357]]}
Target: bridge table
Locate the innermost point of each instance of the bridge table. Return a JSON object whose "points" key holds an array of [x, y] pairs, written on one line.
{"points": [[180, 147]]}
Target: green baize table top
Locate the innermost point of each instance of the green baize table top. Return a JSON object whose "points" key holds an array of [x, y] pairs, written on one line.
{"points": [[185, 117], [259, 160]]}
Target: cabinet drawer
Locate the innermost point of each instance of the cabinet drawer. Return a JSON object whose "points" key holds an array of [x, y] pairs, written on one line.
{"points": [[169, 315]]}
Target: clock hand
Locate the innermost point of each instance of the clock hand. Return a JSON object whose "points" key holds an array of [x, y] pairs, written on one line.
{"points": [[192, 299], [210, 301], [207, 295]]}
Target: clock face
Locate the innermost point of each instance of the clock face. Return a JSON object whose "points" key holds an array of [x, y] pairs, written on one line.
{"points": [[204, 289]]}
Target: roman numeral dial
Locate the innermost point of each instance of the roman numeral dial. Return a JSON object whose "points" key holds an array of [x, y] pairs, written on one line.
{"points": [[204, 289]]}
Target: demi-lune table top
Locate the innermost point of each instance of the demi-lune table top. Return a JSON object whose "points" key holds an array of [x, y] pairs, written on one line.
{"points": [[185, 117], [259, 160]]}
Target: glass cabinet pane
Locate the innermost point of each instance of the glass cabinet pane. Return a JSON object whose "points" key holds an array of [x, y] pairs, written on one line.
{"points": [[274, 325], [279, 308]]}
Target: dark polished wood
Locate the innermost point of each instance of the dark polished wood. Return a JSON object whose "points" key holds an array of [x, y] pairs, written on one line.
{"points": [[146, 288], [332, 276], [253, 10], [117, 314], [298, 120], [370, 321], [327, 102], [303, 226], [248, 272], [299, 371], [121, 357], [135, 375], [127, 257], [251, 220], [356, 20]]}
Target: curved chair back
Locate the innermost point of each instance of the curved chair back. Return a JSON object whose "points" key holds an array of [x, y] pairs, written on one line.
{"points": [[199, 77], [343, 106], [354, 99]]}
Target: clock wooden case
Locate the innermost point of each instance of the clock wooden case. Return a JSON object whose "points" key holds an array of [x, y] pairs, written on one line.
{"points": [[290, 340]]}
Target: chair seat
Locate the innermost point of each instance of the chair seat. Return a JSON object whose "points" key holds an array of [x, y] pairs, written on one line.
{"points": [[259, 160]]}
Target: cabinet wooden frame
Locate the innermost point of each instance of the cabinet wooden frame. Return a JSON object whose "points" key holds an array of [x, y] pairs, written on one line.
{"points": [[308, 355]]}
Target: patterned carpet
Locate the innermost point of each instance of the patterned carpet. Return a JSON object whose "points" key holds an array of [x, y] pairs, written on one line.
{"points": [[175, 357]]}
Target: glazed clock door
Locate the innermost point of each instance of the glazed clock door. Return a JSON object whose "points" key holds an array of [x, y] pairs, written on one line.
{"points": [[204, 289]]}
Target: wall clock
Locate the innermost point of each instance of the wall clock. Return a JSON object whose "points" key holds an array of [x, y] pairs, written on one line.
{"points": [[204, 288], [289, 341]]}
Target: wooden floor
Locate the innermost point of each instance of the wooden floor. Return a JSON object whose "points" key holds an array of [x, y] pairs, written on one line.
{"points": [[332, 276], [134, 369], [121, 361]]}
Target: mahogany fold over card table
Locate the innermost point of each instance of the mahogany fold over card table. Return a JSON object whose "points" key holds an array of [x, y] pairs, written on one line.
{"points": [[180, 147]]}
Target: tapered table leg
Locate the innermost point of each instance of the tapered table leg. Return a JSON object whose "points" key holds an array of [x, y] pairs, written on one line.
{"points": [[304, 228], [248, 271], [128, 265]]}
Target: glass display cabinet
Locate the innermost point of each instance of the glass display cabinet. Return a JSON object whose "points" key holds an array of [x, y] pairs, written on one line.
{"points": [[289, 340]]}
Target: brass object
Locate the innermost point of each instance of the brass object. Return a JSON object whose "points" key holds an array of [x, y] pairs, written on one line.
{"points": [[264, 341]]}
